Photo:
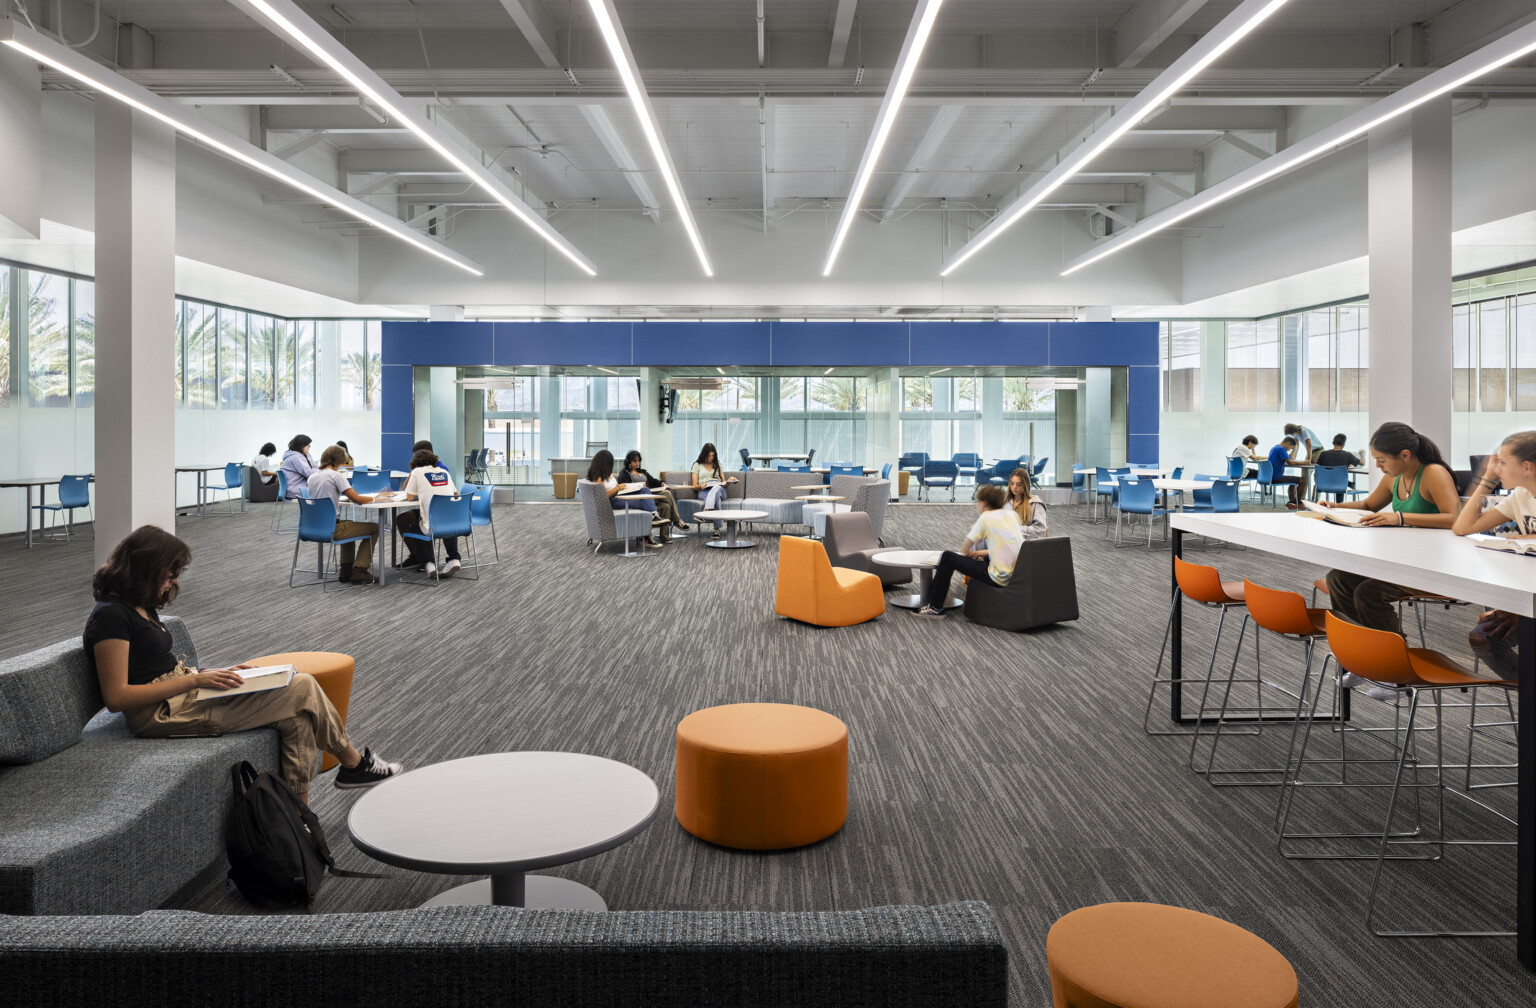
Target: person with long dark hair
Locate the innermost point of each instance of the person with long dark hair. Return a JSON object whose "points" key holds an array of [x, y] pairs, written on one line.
{"points": [[1422, 494], [1513, 467], [666, 508], [130, 652], [297, 464], [709, 479], [600, 471]]}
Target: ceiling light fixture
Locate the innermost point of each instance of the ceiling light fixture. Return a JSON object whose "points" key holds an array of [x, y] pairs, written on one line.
{"points": [[601, 368], [104, 81], [828, 371], [906, 65], [1377, 78], [624, 61], [1232, 29], [720, 369], [1515, 45], [286, 18], [290, 78], [938, 372]]}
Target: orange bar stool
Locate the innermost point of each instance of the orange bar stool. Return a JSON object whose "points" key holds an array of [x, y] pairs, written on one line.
{"points": [[331, 670], [1384, 658], [1284, 614], [1203, 586], [1145, 955], [762, 776]]}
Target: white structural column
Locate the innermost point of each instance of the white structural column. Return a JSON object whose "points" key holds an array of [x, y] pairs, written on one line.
{"points": [[135, 291], [1410, 271]]}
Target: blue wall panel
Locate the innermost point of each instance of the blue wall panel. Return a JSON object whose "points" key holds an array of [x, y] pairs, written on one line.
{"points": [[1144, 395], [396, 395], [1103, 344], [1141, 449], [437, 344], [562, 343], [848, 343], [395, 450], [949, 344], [715, 343]]}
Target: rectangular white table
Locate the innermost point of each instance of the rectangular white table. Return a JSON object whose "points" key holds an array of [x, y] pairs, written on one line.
{"points": [[202, 483], [27, 483], [1430, 560]]}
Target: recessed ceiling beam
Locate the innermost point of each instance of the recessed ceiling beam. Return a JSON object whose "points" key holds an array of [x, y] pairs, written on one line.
{"points": [[938, 129], [294, 148], [1148, 25], [537, 27], [602, 125], [842, 27]]}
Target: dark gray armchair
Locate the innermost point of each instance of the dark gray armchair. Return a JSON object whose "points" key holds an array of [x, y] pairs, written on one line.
{"points": [[850, 544], [1043, 589]]}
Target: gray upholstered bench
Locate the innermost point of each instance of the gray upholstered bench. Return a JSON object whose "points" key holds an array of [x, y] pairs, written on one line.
{"points": [[92, 819]]}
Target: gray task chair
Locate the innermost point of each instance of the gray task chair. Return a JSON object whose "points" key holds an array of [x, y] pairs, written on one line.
{"points": [[850, 543], [1043, 589], [604, 524]]}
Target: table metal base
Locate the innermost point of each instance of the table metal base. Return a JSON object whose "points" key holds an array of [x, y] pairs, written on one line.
{"points": [[730, 541], [539, 891], [916, 601]]}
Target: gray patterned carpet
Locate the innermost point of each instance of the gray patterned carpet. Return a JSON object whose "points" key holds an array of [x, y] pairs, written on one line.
{"points": [[985, 765]]}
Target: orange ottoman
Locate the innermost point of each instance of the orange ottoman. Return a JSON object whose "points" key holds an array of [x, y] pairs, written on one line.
{"points": [[1143, 955], [762, 776], [331, 670]]}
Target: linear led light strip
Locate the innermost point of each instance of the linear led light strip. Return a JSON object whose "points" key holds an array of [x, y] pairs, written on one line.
{"points": [[103, 81], [624, 60], [1232, 29], [289, 20], [906, 65], [1519, 43]]}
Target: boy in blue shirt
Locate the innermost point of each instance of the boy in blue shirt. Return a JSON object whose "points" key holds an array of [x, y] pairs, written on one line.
{"points": [[1280, 456]]}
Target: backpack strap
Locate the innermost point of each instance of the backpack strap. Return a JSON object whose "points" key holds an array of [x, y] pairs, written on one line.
{"points": [[244, 776]]}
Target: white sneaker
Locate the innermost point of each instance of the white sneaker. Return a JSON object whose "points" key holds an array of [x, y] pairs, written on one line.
{"points": [[451, 567], [1352, 681], [431, 568], [1386, 693]]}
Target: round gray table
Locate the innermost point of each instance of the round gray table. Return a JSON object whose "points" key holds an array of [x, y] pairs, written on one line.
{"points": [[730, 518], [922, 561], [504, 814]]}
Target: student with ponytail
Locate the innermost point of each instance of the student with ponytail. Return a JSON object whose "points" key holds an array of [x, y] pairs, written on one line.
{"points": [[1513, 467], [1422, 494]]}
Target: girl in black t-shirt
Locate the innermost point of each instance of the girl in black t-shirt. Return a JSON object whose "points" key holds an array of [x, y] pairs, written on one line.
{"points": [[131, 654]]}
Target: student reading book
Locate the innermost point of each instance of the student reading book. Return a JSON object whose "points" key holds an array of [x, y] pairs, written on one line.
{"points": [[710, 480], [1512, 466]]}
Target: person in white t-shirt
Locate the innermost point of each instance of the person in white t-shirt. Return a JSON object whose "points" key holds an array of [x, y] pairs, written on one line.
{"points": [[1514, 467], [990, 550], [428, 479], [262, 464]]}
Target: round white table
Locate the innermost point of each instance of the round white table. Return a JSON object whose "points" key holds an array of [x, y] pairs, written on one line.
{"points": [[922, 561], [504, 814], [730, 518], [386, 509]]}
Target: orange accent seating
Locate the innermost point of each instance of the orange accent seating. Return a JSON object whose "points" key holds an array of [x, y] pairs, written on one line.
{"points": [[1144, 955], [331, 670], [762, 776], [812, 591]]}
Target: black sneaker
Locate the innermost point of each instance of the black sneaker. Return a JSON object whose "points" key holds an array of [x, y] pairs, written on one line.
{"points": [[370, 770]]}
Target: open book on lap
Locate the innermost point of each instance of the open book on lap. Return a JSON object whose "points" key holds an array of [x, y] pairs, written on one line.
{"points": [[1527, 547], [1349, 516], [257, 680]]}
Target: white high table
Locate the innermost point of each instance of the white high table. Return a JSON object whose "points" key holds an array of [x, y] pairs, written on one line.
{"points": [[1430, 560]]}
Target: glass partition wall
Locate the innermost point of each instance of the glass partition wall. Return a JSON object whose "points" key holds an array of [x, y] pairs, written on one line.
{"points": [[525, 418]]}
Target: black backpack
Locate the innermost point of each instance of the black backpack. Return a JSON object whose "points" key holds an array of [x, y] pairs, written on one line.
{"points": [[277, 851]]}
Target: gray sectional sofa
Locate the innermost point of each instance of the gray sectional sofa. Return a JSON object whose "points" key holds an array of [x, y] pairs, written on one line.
{"points": [[774, 492], [92, 819], [949, 956]]}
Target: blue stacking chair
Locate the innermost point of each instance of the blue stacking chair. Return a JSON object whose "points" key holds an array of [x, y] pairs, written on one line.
{"points": [[913, 463], [1098, 492], [282, 498], [1039, 467], [480, 515], [968, 462], [746, 460], [369, 482], [450, 518], [234, 482], [786, 467], [1178, 473], [1201, 498], [1079, 480], [317, 524], [838, 470], [1266, 480], [1237, 468], [810, 456], [1138, 496], [1334, 480], [939, 473], [74, 492]]}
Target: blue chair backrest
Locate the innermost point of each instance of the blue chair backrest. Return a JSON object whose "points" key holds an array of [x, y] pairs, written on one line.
{"points": [[1039, 466], [1332, 479], [479, 505], [1178, 472], [912, 460], [233, 473], [969, 460], [1236, 468], [317, 519], [1122, 471], [282, 485], [746, 459], [846, 471], [1101, 475], [1079, 475], [793, 468], [1224, 496], [450, 516], [940, 469], [369, 483], [1137, 495], [1266, 472], [885, 471], [75, 491]]}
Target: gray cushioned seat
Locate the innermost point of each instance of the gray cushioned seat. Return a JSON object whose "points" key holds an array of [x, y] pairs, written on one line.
{"points": [[775, 493]]}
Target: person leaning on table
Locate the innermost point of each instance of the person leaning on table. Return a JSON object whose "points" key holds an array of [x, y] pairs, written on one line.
{"points": [[1512, 466], [130, 652], [1422, 493], [297, 464], [327, 482], [1280, 456]]}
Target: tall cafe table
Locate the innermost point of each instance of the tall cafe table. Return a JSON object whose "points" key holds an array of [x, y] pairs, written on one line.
{"points": [[1431, 560], [27, 483]]}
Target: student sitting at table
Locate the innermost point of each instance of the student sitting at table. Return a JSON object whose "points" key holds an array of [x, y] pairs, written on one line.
{"points": [[601, 472], [1245, 451], [1422, 493], [428, 479], [709, 480], [348, 464], [297, 465], [1513, 467], [666, 508], [130, 653], [1337, 456], [262, 465], [327, 482], [1029, 508], [1280, 456], [989, 552]]}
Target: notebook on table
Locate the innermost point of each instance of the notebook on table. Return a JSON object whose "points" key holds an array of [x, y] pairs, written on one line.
{"points": [[1351, 516], [257, 680], [1525, 547]]}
